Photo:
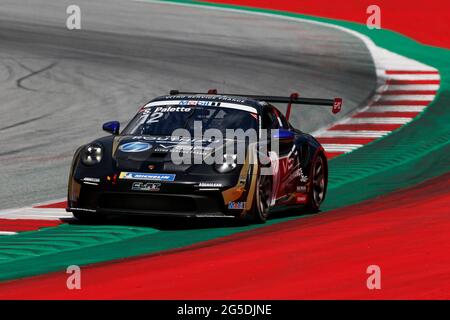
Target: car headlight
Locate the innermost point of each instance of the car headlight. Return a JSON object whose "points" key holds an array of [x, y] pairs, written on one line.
{"points": [[92, 154], [228, 164]]}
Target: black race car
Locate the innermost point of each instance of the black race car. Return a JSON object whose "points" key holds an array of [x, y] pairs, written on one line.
{"points": [[178, 157]]}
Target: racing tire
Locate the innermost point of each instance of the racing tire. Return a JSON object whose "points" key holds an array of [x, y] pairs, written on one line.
{"points": [[318, 187], [262, 198]]}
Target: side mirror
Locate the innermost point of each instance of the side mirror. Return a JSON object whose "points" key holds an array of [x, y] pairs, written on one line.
{"points": [[283, 134], [112, 127]]}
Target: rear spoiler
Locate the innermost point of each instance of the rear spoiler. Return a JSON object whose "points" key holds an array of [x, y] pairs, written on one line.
{"points": [[336, 103]]}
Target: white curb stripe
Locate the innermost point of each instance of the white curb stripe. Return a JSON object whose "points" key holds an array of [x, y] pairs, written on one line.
{"points": [[32, 213], [412, 97], [413, 87], [352, 134], [7, 233], [334, 147], [413, 76], [382, 109], [386, 120], [36, 217]]}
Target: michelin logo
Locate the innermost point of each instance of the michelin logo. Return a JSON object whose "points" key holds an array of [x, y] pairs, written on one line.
{"points": [[236, 205], [147, 176]]}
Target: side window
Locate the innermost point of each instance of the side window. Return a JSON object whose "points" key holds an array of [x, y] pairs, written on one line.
{"points": [[270, 120], [283, 123]]}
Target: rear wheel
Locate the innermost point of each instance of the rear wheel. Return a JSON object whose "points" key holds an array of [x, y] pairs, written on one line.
{"points": [[318, 186], [262, 198]]}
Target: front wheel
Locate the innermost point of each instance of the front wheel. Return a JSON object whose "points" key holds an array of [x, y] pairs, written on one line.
{"points": [[318, 187], [262, 198]]}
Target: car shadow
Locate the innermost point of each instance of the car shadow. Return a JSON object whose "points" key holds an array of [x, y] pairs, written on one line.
{"points": [[185, 223], [165, 223]]}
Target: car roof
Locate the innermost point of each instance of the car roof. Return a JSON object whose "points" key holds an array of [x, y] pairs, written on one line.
{"points": [[258, 105]]}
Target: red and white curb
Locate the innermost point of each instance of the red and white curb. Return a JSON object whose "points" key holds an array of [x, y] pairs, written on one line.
{"points": [[405, 88], [33, 218]]}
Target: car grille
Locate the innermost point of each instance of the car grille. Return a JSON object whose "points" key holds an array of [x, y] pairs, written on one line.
{"points": [[160, 203]]}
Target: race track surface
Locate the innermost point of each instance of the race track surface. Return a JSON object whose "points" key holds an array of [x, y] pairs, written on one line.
{"points": [[58, 86]]}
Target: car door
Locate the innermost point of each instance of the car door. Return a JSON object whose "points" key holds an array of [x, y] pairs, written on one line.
{"points": [[280, 154]]}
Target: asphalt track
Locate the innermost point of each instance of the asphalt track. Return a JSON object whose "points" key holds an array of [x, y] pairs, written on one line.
{"points": [[58, 86]]}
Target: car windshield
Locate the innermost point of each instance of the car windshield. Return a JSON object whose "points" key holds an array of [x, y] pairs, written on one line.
{"points": [[163, 120]]}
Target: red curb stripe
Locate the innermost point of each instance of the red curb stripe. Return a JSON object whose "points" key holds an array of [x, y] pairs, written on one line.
{"points": [[20, 225], [412, 72], [331, 155], [345, 140], [366, 126], [56, 205], [410, 92], [386, 114], [396, 81], [402, 103]]}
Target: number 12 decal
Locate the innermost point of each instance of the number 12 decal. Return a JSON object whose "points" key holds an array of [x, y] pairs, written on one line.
{"points": [[154, 117]]}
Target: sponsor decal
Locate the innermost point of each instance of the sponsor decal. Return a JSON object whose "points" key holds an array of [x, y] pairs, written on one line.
{"points": [[173, 109], [302, 177], [236, 205], [188, 103], [174, 139], [185, 149], [166, 146], [161, 150], [207, 97], [301, 188], [135, 147], [208, 103], [209, 185], [147, 176], [142, 186], [301, 198], [337, 105], [88, 179]]}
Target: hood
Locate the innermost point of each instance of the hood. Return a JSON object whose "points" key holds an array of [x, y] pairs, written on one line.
{"points": [[162, 153]]}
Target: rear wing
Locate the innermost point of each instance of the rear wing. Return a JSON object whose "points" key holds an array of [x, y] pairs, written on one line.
{"points": [[335, 104]]}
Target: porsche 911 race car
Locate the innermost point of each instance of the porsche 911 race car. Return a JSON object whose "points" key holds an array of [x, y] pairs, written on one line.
{"points": [[201, 155]]}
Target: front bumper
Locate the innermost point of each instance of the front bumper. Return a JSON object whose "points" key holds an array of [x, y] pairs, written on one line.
{"points": [[173, 199]]}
